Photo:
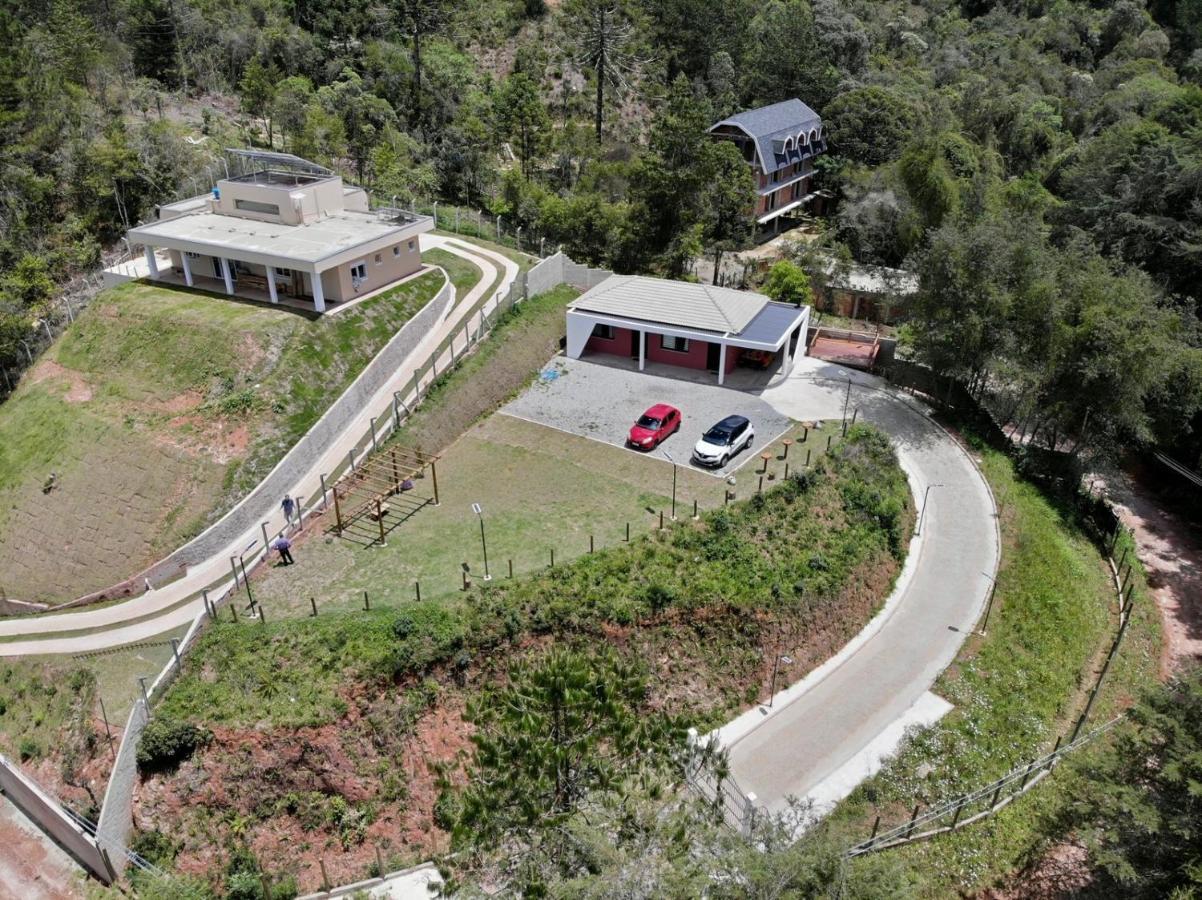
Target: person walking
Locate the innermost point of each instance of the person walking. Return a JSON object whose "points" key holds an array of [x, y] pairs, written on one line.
{"points": [[284, 547], [288, 504]]}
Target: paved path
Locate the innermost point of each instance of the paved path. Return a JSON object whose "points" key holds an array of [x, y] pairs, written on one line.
{"points": [[179, 602], [807, 742]]}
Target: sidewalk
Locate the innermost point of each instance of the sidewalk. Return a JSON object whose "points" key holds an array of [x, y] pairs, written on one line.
{"points": [[179, 602]]}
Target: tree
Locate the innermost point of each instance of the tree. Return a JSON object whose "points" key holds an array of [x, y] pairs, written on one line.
{"points": [[258, 91], [870, 124], [564, 725], [1141, 813], [603, 38], [786, 58], [788, 283], [289, 104], [668, 183], [729, 200], [420, 19], [365, 117], [521, 116]]}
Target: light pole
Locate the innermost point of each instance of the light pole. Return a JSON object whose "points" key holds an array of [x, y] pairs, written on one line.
{"points": [[923, 514], [673, 462], [483, 544]]}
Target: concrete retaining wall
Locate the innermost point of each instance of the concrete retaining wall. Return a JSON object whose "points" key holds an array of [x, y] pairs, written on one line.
{"points": [[117, 809], [43, 810]]}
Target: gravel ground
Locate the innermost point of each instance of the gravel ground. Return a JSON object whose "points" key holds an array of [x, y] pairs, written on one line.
{"points": [[601, 401]]}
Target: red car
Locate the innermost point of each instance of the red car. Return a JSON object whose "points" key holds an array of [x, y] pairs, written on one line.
{"points": [[653, 426]]}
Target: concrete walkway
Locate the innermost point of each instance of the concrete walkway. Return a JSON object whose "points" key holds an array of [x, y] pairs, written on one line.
{"points": [[820, 739], [179, 602]]}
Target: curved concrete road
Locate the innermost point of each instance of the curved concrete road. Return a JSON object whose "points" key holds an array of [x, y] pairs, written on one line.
{"points": [[179, 602], [820, 739]]}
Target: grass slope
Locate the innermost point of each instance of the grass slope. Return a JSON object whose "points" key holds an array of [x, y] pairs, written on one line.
{"points": [[350, 716], [1015, 692], [155, 412]]}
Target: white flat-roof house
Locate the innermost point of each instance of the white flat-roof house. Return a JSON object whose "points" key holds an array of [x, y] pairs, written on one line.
{"points": [[697, 326], [290, 228]]}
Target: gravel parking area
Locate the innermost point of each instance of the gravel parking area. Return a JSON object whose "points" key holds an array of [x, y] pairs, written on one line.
{"points": [[601, 401]]}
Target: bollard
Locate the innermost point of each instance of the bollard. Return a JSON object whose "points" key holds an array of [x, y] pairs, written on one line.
{"points": [[590, 543], [628, 532], [262, 615], [233, 611], [695, 516], [786, 470], [212, 613], [511, 568], [829, 438], [552, 557], [807, 456], [175, 652], [760, 489], [787, 443], [313, 603], [366, 603], [661, 520], [417, 590]]}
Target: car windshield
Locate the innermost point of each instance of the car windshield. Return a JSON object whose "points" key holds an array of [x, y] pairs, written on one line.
{"points": [[646, 421], [719, 434]]}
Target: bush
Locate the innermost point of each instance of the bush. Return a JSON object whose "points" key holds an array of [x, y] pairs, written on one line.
{"points": [[28, 749], [167, 742]]}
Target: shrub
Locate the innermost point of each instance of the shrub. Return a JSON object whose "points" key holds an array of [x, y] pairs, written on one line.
{"points": [[28, 749], [167, 742]]}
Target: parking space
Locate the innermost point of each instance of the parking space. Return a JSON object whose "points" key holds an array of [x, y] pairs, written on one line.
{"points": [[601, 400]]}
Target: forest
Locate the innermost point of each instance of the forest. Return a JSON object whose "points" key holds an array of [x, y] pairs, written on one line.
{"points": [[1038, 162]]}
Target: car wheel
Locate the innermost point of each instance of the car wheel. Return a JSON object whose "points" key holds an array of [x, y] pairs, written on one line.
{"points": [[724, 460]]}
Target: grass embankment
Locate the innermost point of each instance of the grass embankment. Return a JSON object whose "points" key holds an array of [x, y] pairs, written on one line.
{"points": [[316, 714], [464, 275], [1015, 691], [154, 413]]}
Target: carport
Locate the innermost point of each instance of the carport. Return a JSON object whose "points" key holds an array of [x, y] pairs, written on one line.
{"points": [[678, 323]]}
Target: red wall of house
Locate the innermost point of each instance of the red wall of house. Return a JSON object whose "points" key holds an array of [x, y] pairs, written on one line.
{"points": [[732, 359], [694, 358], [619, 345]]}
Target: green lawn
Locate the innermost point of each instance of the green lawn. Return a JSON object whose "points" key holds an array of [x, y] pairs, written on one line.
{"points": [[1015, 691], [463, 274], [155, 412]]}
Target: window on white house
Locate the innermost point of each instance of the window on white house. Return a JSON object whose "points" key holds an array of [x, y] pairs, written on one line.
{"points": [[605, 332], [411, 245], [283, 273], [396, 251], [678, 344], [359, 271], [255, 206], [379, 258]]}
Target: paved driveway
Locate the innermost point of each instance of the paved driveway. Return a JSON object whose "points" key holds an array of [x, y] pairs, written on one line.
{"points": [[808, 745], [600, 400]]}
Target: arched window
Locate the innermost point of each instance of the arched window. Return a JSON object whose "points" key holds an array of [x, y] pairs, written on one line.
{"points": [[801, 139], [788, 145], [814, 136]]}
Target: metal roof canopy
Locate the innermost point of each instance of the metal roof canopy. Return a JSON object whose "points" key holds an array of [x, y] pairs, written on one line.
{"points": [[272, 158]]}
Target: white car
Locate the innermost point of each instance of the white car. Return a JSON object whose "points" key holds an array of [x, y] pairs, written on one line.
{"points": [[730, 436]]}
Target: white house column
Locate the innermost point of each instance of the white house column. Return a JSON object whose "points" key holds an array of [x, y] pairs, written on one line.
{"points": [[225, 273], [275, 298], [187, 268], [642, 349], [722, 362], [319, 297], [151, 262]]}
